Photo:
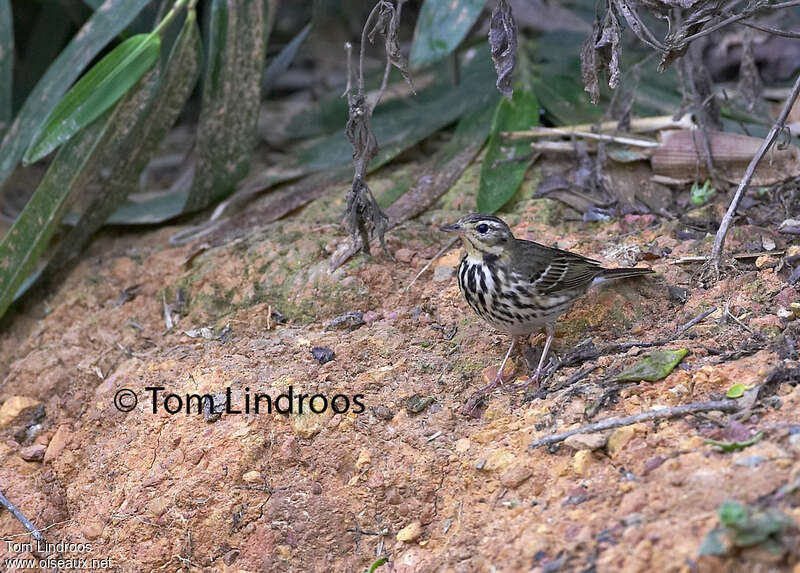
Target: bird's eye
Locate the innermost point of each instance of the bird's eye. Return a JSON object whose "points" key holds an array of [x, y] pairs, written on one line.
{"points": [[483, 228]]}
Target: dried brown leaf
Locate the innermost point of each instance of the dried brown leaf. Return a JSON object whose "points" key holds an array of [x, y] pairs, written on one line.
{"points": [[601, 52], [503, 42]]}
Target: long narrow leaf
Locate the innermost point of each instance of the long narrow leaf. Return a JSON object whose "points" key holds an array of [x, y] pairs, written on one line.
{"points": [[504, 167], [6, 63], [284, 59], [226, 132], [441, 25], [28, 237], [139, 124], [97, 91], [99, 30]]}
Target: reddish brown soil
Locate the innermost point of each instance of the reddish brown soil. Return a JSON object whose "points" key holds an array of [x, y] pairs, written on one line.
{"points": [[271, 492]]}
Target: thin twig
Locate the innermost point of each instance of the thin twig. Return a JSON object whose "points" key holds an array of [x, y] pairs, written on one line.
{"points": [[362, 48], [638, 125], [746, 13], [661, 414], [635, 142], [737, 256], [778, 127], [442, 251], [35, 533]]}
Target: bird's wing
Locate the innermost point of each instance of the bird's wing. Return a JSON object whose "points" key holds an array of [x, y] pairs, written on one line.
{"points": [[551, 270]]}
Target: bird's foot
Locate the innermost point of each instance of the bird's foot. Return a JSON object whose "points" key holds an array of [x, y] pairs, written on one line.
{"points": [[532, 380], [477, 397]]}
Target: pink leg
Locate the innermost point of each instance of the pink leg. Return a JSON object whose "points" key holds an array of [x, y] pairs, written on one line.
{"points": [[479, 394], [550, 330]]}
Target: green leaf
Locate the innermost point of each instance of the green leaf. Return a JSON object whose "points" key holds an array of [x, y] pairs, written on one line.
{"points": [[441, 26], [96, 33], [732, 514], [98, 90], [654, 366], [226, 131], [701, 195], [377, 563], [139, 123], [735, 446], [738, 390], [27, 239], [284, 59], [501, 175], [6, 63]]}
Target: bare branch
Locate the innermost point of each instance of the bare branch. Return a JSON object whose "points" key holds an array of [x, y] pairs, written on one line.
{"points": [[662, 414], [777, 128]]}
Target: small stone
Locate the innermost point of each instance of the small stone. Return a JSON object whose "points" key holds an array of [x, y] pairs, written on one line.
{"points": [[585, 441], [410, 532], [442, 274], [795, 306], [417, 403], [515, 475], [306, 425], [490, 372], [463, 444], [323, 354], [253, 476], [652, 464], [316, 488], [498, 460], [347, 321], [364, 459], [619, 439], [581, 462], [785, 314], [383, 413], [34, 453], [765, 261], [13, 407], [57, 443]]}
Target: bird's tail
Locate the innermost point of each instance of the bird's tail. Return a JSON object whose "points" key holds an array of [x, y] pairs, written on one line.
{"points": [[623, 273]]}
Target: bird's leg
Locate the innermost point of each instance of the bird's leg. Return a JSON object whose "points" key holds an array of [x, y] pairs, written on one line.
{"points": [[498, 380], [550, 330], [479, 394]]}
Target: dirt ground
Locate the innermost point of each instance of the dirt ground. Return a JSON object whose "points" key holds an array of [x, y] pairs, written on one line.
{"points": [[410, 477]]}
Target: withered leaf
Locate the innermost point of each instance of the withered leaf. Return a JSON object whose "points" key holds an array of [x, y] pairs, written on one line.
{"points": [[388, 24], [503, 42], [601, 52]]}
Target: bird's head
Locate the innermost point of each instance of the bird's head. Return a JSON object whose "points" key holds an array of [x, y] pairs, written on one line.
{"points": [[482, 234]]}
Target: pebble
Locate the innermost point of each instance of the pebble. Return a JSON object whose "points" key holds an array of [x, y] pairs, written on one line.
{"points": [[34, 453], [585, 441], [253, 476], [410, 532], [515, 475], [581, 462], [619, 439], [57, 443], [323, 354]]}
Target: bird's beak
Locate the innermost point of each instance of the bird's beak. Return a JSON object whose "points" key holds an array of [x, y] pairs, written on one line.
{"points": [[450, 228]]}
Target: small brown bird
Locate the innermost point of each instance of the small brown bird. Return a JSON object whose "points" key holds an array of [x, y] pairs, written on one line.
{"points": [[520, 286]]}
